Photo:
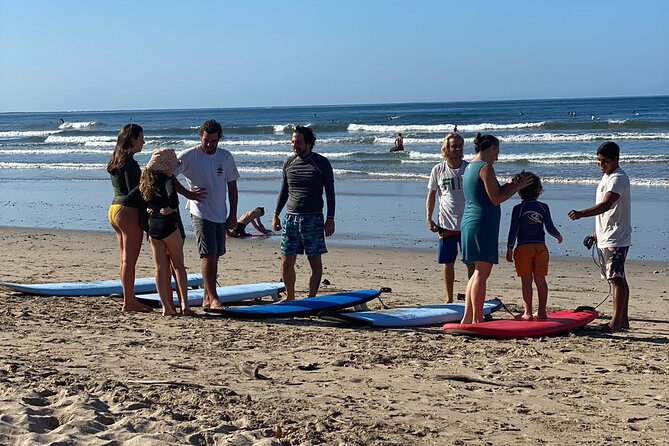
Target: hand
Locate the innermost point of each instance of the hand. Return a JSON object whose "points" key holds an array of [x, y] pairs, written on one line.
{"points": [[231, 222], [522, 180], [509, 254], [575, 215], [197, 194], [329, 227], [432, 226], [276, 222], [167, 211], [559, 239]]}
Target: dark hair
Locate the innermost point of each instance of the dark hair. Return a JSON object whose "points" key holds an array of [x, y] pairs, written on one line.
{"points": [[484, 142], [212, 126], [122, 151], [609, 150], [532, 190], [308, 134]]}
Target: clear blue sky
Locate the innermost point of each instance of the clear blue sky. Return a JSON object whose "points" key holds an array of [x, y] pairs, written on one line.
{"points": [[102, 55]]}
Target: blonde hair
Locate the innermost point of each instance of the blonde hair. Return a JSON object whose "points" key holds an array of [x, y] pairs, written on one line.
{"points": [[447, 141], [146, 182]]}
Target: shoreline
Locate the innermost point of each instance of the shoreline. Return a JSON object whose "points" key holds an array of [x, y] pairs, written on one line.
{"points": [[79, 370]]}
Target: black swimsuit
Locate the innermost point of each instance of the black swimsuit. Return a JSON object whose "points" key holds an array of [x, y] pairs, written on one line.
{"points": [[164, 196]]}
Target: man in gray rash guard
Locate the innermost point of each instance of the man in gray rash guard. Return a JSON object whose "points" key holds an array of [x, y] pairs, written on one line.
{"points": [[305, 175]]}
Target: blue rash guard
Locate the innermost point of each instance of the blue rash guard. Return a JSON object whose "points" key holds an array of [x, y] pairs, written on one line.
{"points": [[527, 223]]}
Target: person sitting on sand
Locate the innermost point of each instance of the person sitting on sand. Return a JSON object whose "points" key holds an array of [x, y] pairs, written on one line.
{"points": [[158, 188], [531, 256], [250, 217]]}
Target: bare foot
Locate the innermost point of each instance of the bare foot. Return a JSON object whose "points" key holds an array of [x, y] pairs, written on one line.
{"points": [[187, 311], [449, 301], [284, 299], [215, 304], [135, 306], [526, 317], [542, 316]]}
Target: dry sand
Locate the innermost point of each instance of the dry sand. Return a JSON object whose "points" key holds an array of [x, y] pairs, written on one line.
{"points": [[78, 371]]}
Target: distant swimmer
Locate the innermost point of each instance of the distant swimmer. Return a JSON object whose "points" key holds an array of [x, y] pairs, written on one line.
{"points": [[592, 117], [399, 144], [635, 113], [521, 114], [62, 121]]}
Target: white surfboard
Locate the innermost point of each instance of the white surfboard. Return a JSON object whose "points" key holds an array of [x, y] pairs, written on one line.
{"points": [[226, 294]]}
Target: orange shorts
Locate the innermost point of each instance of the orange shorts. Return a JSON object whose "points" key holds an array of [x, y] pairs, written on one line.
{"points": [[531, 259]]}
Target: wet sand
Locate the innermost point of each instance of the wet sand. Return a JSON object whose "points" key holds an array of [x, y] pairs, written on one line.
{"points": [[78, 371]]}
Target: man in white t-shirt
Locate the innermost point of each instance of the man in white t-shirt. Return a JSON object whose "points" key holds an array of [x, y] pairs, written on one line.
{"points": [[613, 229], [208, 168], [446, 184]]}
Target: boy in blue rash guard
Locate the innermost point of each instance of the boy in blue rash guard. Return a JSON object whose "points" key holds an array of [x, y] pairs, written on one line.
{"points": [[531, 256]]}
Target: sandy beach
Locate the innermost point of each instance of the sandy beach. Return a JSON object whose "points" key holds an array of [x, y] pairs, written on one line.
{"points": [[78, 371]]}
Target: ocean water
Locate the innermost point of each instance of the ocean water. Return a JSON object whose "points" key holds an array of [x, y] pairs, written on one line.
{"points": [[62, 156]]}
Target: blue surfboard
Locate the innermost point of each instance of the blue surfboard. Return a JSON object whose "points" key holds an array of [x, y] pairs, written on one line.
{"points": [[417, 316], [300, 307], [226, 294], [101, 288]]}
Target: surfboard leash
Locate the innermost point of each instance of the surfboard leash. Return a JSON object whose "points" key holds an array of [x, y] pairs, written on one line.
{"points": [[598, 261]]}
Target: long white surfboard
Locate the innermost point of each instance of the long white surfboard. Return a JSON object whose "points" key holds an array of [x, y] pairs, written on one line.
{"points": [[226, 294], [100, 288]]}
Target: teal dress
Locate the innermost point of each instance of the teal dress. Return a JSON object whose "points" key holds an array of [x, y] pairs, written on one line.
{"points": [[480, 222]]}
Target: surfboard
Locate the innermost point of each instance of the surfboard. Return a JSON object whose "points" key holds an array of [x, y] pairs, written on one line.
{"points": [[557, 323], [299, 307], [100, 288], [226, 294], [416, 316]]}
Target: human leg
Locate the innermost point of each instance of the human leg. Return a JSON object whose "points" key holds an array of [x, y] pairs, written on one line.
{"points": [[448, 251], [316, 274], [620, 304], [476, 292], [526, 284], [126, 221], [449, 280], [542, 296], [613, 263], [210, 238], [288, 275], [175, 250], [161, 262]]}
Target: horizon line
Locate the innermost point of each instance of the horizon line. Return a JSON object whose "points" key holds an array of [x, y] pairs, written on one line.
{"points": [[237, 107]]}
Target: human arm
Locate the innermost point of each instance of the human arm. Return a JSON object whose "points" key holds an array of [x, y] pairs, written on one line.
{"points": [[497, 194], [610, 198], [429, 210], [259, 226], [281, 201], [514, 227], [196, 194], [550, 227], [328, 185], [233, 198]]}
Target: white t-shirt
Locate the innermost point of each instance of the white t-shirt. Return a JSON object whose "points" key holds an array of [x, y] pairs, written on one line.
{"points": [[614, 227], [448, 184], [212, 172]]}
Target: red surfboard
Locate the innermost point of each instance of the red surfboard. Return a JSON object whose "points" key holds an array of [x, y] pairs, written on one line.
{"points": [[558, 322]]}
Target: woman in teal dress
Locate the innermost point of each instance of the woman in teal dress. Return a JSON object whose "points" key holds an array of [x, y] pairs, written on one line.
{"points": [[480, 222]]}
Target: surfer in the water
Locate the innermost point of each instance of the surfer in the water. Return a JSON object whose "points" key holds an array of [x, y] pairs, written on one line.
{"points": [[446, 184], [531, 256], [613, 229], [399, 144], [305, 176]]}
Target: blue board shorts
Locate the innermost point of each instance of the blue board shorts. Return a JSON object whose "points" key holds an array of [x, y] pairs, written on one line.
{"points": [[448, 249], [210, 236], [303, 234]]}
